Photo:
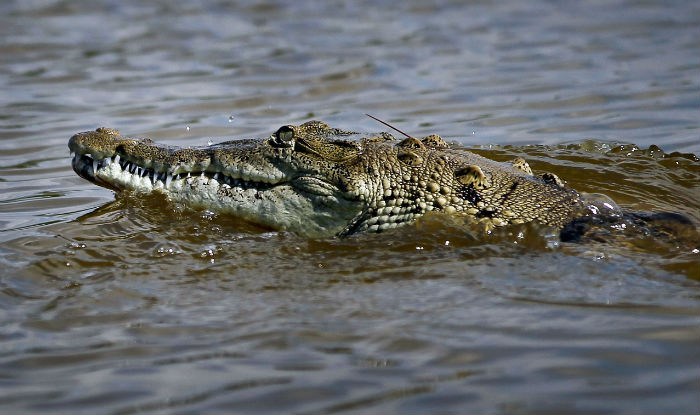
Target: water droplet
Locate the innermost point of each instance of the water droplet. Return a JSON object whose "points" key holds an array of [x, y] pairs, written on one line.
{"points": [[230, 118], [600, 204]]}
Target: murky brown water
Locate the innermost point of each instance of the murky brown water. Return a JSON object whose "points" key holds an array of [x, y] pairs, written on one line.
{"points": [[133, 305]]}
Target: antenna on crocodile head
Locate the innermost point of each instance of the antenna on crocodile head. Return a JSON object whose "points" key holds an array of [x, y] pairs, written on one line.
{"points": [[388, 125]]}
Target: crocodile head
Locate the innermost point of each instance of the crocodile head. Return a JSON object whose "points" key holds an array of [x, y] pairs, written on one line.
{"points": [[316, 181], [299, 179]]}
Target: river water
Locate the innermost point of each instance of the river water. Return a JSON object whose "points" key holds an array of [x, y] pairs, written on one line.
{"points": [[132, 305]]}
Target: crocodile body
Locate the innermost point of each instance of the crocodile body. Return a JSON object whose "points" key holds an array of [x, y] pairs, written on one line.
{"points": [[319, 181]]}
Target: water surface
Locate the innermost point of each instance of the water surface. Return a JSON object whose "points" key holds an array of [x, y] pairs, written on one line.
{"points": [[133, 305]]}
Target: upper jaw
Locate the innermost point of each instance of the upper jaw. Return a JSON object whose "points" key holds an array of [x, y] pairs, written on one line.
{"points": [[96, 150]]}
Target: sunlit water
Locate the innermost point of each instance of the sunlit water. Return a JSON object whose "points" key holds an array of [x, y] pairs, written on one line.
{"points": [[135, 305]]}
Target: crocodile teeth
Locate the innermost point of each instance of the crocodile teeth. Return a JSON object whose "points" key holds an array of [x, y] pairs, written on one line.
{"points": [[166, 177]]}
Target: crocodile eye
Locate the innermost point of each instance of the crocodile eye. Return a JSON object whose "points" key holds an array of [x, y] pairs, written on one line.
{"points": [[284, 137]]}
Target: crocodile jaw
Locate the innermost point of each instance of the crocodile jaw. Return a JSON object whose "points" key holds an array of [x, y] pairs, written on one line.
{"points": [[281, 205]]}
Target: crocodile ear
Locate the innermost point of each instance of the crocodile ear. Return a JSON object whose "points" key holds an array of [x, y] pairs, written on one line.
{"points": [[551, 178], [521, 165], [411, 142], [434, 140], [472, 175]]}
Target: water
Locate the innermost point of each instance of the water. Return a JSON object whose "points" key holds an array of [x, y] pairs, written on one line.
{"points": [[132, 305]]}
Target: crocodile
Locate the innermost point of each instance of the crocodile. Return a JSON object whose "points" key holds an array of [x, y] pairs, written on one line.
{"points": [[319, 181]]}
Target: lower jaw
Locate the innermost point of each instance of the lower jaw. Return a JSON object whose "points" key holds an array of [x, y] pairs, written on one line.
{"points": [[115, 178]]}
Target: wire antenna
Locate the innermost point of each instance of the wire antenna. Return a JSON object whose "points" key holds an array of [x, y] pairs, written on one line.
{"points": [[388, 125]]}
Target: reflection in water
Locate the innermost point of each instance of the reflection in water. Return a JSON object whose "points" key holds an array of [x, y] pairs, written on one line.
{"points": [[135, 305]]}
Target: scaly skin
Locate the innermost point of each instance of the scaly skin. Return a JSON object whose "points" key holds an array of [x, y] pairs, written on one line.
{"points": [[315, 181]]}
